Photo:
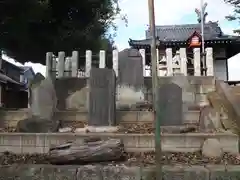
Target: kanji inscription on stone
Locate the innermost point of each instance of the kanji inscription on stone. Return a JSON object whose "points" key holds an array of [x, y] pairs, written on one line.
{"points": [[102, 101], [131, 68], [170, 105]]}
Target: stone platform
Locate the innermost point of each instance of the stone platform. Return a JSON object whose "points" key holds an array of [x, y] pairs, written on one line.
{"points": [[101, 172], [10, 118], [41, 142]]}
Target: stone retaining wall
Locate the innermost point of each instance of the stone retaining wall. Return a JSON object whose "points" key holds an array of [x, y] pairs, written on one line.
{"points": [[194, 88], [99, 172], [11, 118], [230, 101], [41, 142]]}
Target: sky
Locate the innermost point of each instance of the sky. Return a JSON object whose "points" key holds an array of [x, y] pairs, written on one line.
{"points": [[167, 12]]}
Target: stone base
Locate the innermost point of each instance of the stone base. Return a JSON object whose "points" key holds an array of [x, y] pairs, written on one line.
{"points": [[98, 129], [99, 172]]}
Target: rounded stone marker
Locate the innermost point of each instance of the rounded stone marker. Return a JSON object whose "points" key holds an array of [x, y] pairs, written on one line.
{"points": [[212, 148]]}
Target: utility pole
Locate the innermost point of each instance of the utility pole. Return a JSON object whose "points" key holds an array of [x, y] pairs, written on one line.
{"points": [[202, 34], [154, 89]]}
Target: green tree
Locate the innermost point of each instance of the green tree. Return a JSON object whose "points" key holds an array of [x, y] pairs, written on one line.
{"points": [[30, 28], [235, 16]]}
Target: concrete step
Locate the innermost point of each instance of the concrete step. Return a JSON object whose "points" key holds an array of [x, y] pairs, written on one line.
{"points": [[41, 142], [10, 118]]}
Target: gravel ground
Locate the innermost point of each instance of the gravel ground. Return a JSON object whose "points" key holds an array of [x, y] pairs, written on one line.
{"points": [[131, 159]]}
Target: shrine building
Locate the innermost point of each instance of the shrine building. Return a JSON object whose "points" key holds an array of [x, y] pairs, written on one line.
{"points": [[189, 36]]}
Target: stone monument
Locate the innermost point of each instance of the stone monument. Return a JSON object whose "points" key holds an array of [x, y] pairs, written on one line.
{"points": [[102, 101], [131, 80]]}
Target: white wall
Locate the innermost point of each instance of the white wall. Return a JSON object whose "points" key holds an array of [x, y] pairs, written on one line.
{"points": [[234, 68]]}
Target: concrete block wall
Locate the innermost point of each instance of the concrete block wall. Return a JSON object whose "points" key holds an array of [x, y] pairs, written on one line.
{"points": [[120, 172], [195, 88], [41, 142], [9, 119]]}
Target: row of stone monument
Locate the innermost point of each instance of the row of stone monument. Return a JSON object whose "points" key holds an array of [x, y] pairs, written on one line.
{"points": [[102, 98]]}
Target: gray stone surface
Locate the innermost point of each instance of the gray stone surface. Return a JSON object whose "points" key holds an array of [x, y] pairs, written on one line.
{"points": [[59, 172], [212, 148], [90, 172], [148, 173], [130, 88], [35, 124], [205, 123], [43, 105], [102, 101], [170, 105], [121, 173], [78, 100], [209, 120], [181, 173], [128, 97], [131, 69], [44, 100], [34, 83], [23, 172], [93, 172], [220, 172], [67, 86]]}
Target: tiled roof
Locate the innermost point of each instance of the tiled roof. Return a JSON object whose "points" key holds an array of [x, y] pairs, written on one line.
{"points": [[4, 79], [183, 32], [179, 34]]}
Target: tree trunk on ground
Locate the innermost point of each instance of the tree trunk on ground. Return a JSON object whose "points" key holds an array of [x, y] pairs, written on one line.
{"points": [[93, 150]]}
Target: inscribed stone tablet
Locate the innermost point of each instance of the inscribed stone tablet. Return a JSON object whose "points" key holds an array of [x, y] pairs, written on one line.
{"points": [[102, 101], [131, 68], [170, 104]]}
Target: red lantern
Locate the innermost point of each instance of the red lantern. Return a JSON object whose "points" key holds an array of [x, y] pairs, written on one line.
{"points": [[195, 41]]}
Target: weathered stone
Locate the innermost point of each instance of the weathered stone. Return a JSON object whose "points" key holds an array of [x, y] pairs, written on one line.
{"points": [[100, 129], [50, 172], [148, 173], [121, 173], [90, 172], [66, 86], [227, 120], [130, 80], [36, 80], [131, 68], [176, 172], [209, 120], [102, 101], [222, 172], [78, 100], [21, 172], [185, 173], [35, 124], [128, 97], [212, 148], [34, 83], [44, 100], [170, 105]]}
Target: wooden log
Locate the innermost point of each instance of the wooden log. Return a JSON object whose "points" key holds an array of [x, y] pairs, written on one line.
{"points": [[89, 152]]}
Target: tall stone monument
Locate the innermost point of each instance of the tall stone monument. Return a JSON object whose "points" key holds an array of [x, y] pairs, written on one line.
{"points": [[131, 80], [102, 101], [42, 107], [170, 104]]}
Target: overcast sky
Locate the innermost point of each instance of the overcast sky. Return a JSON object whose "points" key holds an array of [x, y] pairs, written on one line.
{"points": [[167, 12]]}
